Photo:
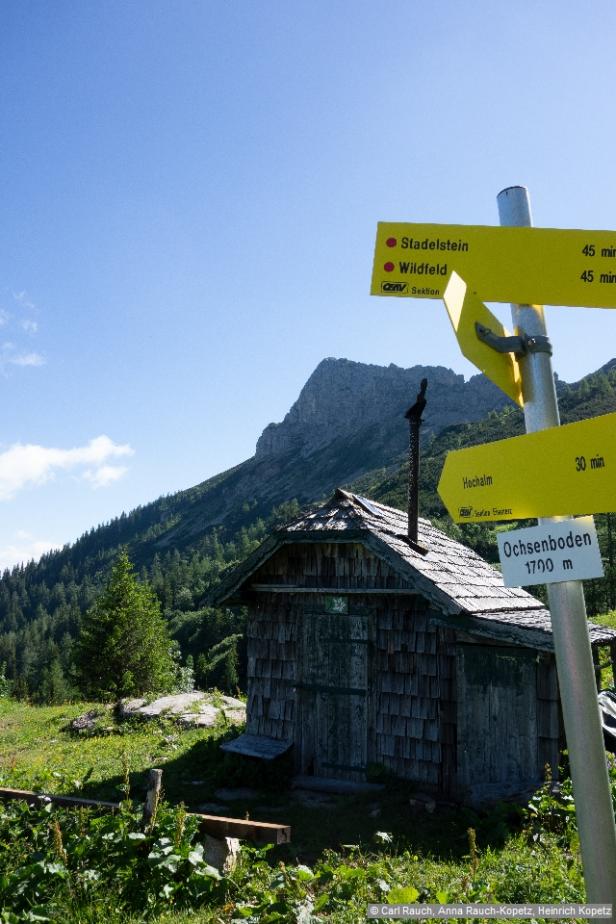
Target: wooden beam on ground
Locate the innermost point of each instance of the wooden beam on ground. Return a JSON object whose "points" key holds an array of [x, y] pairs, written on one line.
{"points": [[36, 798], [262, 832]]}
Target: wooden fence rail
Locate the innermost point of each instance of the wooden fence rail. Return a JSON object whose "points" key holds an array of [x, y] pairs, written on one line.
{"points": [[218, 826]]}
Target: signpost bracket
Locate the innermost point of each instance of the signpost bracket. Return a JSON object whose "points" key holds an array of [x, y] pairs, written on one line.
{"points": [[520, 345]]}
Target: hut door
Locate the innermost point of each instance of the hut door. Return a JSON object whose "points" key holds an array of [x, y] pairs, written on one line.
{"points": [[333, 725], [497, 721]]}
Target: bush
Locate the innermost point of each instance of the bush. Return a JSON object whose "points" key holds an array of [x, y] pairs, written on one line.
{"points": [[61, 859]]}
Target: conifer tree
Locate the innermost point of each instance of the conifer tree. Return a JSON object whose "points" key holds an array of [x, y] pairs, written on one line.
{"points": [[124, 648]]}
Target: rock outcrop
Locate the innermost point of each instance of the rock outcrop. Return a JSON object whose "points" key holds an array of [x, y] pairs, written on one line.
{"points": [[342, 397]]}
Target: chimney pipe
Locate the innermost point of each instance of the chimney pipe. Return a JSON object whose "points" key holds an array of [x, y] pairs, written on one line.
{"points": [[414, 418]]}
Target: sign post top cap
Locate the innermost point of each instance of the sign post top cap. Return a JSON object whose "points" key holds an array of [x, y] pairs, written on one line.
{"points": [[510, 188]]}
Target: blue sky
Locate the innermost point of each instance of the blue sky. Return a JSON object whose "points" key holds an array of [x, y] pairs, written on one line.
{"points": [[190, 194]]}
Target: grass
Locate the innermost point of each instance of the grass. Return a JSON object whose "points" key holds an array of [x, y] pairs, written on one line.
{"points": [[38, 751], [345, 851]]}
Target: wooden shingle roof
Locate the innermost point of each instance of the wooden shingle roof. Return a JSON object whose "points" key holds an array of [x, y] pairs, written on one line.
{"points": [[464, 588]]}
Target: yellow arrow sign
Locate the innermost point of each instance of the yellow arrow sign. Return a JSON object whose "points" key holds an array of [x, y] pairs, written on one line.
{"points": [[464, 310], [555, 472], [546, 266]]}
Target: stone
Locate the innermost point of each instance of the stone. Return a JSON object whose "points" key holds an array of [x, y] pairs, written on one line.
{"points": [[221, 852], [207, 717], [190, 709], [86, 722], [175, 704]]}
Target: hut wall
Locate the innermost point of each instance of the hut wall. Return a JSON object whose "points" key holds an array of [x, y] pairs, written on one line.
{"points": [[405, 669], [328, 565], [272, 640], [543, 711], [410, 711], [549, 716], [407, 691], [446, 666]]}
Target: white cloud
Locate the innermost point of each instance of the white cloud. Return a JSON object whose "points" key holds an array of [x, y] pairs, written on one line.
{"points": [[25, 549], [105, 475], [26, 359], [29, 326], [11, 356], [4, 317], [23, 465]]}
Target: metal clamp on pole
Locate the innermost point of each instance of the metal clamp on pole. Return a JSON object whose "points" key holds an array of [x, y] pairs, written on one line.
{"points": [[520, 345], [538, 344]]}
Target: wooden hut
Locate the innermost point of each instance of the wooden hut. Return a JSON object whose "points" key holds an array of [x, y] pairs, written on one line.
{"points": [[367, 649]]}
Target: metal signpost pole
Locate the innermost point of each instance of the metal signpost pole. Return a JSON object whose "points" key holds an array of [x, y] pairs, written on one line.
{"points": [[576, 676]]}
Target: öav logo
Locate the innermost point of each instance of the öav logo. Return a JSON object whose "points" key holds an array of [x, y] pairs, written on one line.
{"points": [[465, 511], [394, 286]]}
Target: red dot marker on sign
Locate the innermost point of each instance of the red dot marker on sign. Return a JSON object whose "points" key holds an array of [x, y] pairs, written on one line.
{"points": [[388, 267], [391, 241]]}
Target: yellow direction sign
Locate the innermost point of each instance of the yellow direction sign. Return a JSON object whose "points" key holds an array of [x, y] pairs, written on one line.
{"points": [[465, 310], [555, 472], [541, 266]]}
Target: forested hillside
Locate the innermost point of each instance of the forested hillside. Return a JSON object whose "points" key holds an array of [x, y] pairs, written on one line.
{"points": [[182, 543]]}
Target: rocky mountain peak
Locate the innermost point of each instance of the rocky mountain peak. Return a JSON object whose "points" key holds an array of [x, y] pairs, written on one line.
{"points": [[342, 397]]}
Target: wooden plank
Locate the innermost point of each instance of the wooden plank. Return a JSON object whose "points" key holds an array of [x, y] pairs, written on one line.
{"points": [[548, 724], [499, 632], [35, 798], [320, 589], [262, 832], [497, 720], [257, 746], [547, 682]]}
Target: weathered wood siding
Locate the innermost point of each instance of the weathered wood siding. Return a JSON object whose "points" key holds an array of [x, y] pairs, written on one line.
{"points": [[272, 636], [446, 667], [366, 683], [330, 565], [550, 727], [332, 733], [498, 752], [407, 691]]}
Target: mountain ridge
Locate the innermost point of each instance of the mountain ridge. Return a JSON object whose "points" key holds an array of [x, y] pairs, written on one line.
{"points": [[340, 391]]}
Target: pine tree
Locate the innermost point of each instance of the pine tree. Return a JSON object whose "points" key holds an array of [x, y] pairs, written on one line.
{"points": [[53, 686], [124, 648]]}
